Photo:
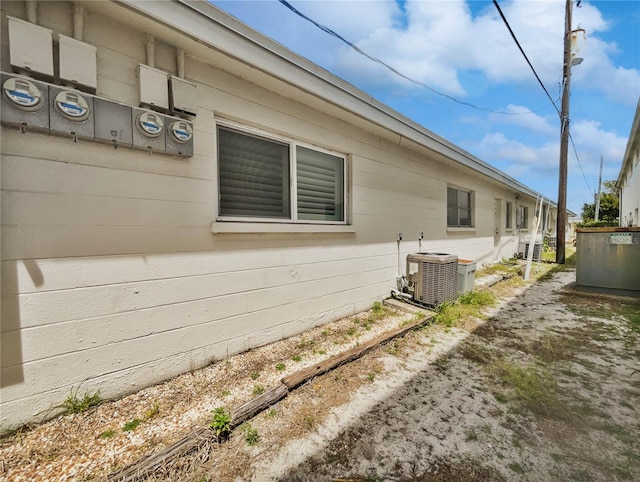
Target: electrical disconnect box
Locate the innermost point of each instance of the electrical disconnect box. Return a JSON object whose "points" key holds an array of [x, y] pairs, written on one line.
{"points": [[112, 122], [148, 130], [25, 103], [71, 113], [183, 96], [179, 137], [30, 49], [154, 87], [78, 64]]}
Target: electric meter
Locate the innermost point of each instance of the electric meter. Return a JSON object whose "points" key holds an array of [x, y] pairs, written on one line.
{"points": [[22, 94], [150, 124], [181, 131], [72, 105]]}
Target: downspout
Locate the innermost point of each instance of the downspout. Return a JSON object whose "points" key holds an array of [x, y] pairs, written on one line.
{"points": [[78, 22], [180, 62], [32, 11], [151, 51]]}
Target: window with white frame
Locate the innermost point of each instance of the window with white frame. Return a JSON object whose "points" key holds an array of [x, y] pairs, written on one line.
{"points": [[271, 178], [459, 207], [523, 217], [509, 214]]}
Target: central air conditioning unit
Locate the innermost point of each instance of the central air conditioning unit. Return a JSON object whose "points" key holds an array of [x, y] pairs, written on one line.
{"points": [[432, 277]]}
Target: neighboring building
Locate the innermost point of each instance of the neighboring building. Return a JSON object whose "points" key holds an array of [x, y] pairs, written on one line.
{"points": [[629, 177], [132, 253]]}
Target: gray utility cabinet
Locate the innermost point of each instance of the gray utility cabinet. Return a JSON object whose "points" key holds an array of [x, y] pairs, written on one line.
{"points": [[608, 260]]}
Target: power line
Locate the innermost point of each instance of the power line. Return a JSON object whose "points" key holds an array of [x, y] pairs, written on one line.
{"points": [[515, 39], [392, 69]]}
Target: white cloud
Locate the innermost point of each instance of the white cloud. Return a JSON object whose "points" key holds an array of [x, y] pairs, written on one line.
{"points": [[441, 39], [524, 117]]}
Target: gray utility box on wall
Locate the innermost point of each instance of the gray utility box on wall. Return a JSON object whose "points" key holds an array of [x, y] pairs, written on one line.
{"points": [[608, 260], [433, 276], [466, 275]]}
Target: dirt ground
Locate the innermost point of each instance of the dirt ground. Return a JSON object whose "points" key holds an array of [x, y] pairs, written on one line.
{"points": [[544, 386]]}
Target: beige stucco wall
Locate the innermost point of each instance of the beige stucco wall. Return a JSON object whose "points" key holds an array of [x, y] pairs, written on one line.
{"points": [[111, 276]]}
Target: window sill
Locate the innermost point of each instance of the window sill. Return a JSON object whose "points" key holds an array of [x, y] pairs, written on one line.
{"points": [[470, 229], [256, 228]]}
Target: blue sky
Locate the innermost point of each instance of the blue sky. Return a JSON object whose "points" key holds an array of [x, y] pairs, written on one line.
{"points": [[463, 49]]}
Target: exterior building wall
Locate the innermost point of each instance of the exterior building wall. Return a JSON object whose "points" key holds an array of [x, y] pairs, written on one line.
{"points": [[629, 177], [113, 277]]}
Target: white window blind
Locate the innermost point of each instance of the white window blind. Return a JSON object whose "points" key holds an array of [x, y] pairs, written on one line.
{"points": [[253, 176], [320, 180]]}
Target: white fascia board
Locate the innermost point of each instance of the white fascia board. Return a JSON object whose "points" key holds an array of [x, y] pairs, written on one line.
{"points": [[194, 18]]}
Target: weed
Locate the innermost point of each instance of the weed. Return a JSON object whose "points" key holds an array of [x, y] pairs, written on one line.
{"points": [[107, 434], [221, 423], [557, 458], [258, 390], [371, 376], [272, 413], [131, 425], [471, 435], [255, 375], [226, 393], [377, 307], [280, 366], [392, 348], [296, 358], [516, 467], [250, 434], [153, 411], [477, 353], [74, 404], [322, 352]]}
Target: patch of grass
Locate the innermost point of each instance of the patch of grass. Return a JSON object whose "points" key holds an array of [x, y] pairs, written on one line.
{"points": [[516, 467], [535, 388], [370, 377], [258, 390], [478, 353], [251, 436], [280, 366], [471, 435], [500, 397], [131, 425], [107, 434], [226, 393], [478, 298], [296, 358], [557, 458], [255, 375], [75, 404], [619, 432]]}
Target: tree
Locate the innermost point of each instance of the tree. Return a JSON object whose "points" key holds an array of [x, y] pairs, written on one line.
{"points": [[609, 208]]}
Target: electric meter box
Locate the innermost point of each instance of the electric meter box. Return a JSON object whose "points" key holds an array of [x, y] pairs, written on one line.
{"points": [[25, 102], [148, 130], [71, 113], [154, 87], [30, 49], [183, 95], [112, 122], [78, 64], [179, 133]]}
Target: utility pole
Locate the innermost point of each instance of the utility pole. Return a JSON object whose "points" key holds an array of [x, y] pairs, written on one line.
{"points": [[599, 191], [561, 225]]}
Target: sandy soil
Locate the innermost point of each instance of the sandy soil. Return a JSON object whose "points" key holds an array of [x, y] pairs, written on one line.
{"points": [[545, 388]]}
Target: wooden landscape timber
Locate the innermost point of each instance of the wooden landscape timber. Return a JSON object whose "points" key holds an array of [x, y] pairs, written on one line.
{"points": [[202, 435]]}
